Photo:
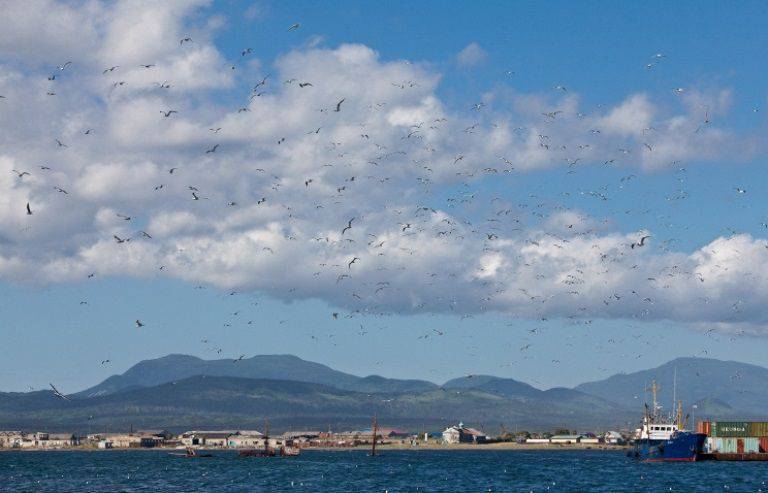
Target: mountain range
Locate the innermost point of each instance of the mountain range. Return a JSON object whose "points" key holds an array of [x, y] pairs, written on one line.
{"points": [[180, 392]]}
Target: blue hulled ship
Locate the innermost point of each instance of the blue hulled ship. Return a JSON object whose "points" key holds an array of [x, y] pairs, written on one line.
{"points": [[661, 440]]}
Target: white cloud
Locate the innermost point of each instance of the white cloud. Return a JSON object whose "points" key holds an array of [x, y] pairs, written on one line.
{"points": [[270, 203], [472, 54]]}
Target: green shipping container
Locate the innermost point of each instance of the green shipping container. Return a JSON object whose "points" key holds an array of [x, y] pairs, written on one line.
{"points": [[730, 429], [758, 429]]}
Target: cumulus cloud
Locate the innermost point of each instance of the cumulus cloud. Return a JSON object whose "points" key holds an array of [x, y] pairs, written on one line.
{"points": [[255, 195]]}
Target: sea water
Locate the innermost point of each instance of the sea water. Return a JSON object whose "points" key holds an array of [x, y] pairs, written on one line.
{"points": [[354, 471]]}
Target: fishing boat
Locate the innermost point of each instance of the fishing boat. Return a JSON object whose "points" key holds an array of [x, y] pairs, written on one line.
{"points": [[190, 453], [277, 451], [665, 439]]}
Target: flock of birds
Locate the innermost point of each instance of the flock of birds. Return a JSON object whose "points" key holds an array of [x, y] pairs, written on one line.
{"points": [[503, 218]]}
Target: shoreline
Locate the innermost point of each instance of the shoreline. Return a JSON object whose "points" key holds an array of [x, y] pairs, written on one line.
{"points": [[501, 446]]}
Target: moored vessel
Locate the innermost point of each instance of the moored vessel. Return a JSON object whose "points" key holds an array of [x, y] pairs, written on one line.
{"points": [[663, 439]]}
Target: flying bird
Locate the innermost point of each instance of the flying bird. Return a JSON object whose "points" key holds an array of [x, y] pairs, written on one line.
{"points": [[212, 149], [640, 243], [57, 393], [338, 105], [139, 323], [349, 226], [294, 27]]}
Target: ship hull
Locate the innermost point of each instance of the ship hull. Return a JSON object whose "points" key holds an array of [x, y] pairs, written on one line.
{"points": [[682, 447]]}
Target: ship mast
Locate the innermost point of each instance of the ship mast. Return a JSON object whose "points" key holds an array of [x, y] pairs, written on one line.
{"points": [[375, 430], [674, 389], [266, 434]]}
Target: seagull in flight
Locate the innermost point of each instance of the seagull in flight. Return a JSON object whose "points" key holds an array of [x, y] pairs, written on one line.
{"points": [[349, 226], [212, 149], [640, 243], [294, 27], [338, 105], [139, 323], [29, 210], [57, 393]]}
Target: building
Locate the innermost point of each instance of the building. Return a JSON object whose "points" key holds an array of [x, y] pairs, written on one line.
{"points": [[303, 436], [246, 439], [565, 439], [537, 440], [114, 440], [614, 438], [55, 440], [13, 439], [392, 434], [153, 438], [463, 434]]}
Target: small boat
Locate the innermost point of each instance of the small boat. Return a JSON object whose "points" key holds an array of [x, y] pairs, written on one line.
{"points": [[267, 451], [280, 451], [189, 453]]}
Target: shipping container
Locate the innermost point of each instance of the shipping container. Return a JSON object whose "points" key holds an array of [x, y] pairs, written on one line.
{"points": [[711, 445], [703, 427], [758, 429], [764, 445], [730, 429], [727, 445], [751, 445]]}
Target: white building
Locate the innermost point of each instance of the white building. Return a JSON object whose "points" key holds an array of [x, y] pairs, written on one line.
{"points": [[463, 434]]}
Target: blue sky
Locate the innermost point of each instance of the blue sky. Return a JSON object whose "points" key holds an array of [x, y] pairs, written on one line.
{"points": [[597, 50]]}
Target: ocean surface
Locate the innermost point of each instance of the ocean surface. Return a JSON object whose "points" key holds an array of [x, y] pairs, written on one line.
{"points": [[354, 471]]}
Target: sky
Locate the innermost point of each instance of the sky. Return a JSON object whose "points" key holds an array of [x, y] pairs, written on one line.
{"points": [[466, 186]]}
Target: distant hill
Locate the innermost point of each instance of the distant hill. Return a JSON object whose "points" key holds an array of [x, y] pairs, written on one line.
{"points": [[182, 392], [202, 402], [506, 387], [720, 389], [377, 384], [175, 367]]}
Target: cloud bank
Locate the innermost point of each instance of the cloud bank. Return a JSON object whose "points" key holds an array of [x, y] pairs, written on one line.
{"points": [[339, 176]]}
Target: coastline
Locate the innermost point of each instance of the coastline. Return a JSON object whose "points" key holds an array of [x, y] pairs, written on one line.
{"points": [[500, 446]]}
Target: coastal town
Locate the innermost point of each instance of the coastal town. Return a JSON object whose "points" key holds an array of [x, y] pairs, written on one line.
{"points": [[457, 435]]}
